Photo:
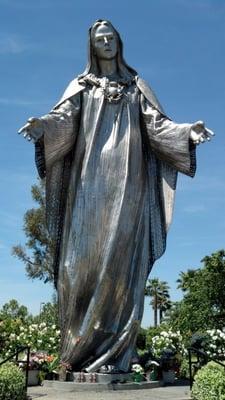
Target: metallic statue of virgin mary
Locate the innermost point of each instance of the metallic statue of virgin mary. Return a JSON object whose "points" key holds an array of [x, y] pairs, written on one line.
{"points": [[110, 156]]}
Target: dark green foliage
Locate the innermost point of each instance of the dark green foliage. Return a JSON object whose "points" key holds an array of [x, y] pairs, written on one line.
{"points": [[199, 341], [37, 252], [203, 304], [141, 339]]}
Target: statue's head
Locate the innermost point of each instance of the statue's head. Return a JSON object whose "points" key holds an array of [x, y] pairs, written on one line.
{"points": [[105, 43], [104, 40]]}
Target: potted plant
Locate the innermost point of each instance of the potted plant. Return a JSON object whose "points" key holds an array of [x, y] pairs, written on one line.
{"points": [[152, 371], [33, 369], [168, 363], [49, 367], [63, 370], [40, 364], [138, 373]]}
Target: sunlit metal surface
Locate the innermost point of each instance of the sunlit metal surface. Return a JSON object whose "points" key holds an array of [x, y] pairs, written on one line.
{"points": [[110, 156]]}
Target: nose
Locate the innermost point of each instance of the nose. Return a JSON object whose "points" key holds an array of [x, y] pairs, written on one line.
{"points": [[106, 41]]}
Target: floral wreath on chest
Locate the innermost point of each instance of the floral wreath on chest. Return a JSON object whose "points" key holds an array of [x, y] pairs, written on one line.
{"points": [[113, 90]]}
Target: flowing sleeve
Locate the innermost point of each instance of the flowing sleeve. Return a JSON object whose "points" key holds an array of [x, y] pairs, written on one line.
{"points": [[53, 156], [60, 129], [169, 141]]}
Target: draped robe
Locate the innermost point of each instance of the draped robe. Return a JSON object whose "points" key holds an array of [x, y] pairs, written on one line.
{"points": [[111, 171]]}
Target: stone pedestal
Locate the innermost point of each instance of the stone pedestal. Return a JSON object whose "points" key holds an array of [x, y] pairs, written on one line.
{"points": [[33, 377], [169, 376], [105, 384], [83, 377]]}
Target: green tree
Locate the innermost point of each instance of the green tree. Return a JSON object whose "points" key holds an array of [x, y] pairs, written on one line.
{"points": [[38, 249], [164, 302], [19, 328], [186, 279], [13, 310], [12, 316], [48, 314], [159, 292], [203, 304]]}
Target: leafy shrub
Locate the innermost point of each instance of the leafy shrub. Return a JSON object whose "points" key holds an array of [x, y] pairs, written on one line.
{"points": [[141, 339], [167, 340], [40, 337], [216, 343], [209, 383], [12, 382], [153, 331], [184, 369]]}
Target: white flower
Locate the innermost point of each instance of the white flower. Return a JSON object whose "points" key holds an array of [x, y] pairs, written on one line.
{"points": [[34, 326], [12, 336], [137, 368]]}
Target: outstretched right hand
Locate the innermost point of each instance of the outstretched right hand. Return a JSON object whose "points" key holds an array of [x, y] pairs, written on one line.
{"points": [[33, 129]]}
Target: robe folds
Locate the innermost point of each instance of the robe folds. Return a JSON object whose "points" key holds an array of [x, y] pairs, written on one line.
{"points": [[111, 170]]}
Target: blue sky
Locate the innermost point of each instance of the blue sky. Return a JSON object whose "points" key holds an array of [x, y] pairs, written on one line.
{"points": [[178, 47]]}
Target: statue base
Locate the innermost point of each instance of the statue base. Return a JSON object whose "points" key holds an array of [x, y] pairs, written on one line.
{"points": [[94, 377], [81, 381]]}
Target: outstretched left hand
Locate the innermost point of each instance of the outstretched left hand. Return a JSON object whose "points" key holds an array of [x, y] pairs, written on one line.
{"points": [[199, 133]]}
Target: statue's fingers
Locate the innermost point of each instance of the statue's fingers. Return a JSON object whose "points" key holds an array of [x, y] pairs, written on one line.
{"points": [[209, 133], [27, 135], [24, 128]]}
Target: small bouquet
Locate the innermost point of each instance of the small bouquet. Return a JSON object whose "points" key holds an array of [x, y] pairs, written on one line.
{"points": [[63, 369], [138, 372]]}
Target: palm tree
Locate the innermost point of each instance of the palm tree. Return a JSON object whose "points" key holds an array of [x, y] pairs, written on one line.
{"points": [[159, 292], [186, 278], [164, 304]]}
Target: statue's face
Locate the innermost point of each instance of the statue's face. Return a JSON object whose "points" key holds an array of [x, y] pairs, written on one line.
{"points": [[105, 43]]}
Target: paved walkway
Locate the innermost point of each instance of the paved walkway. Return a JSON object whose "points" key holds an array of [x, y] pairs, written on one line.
{"points": [[162, 393]]}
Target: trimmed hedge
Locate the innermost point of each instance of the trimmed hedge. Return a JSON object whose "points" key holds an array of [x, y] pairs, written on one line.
{"points": [[12, 382], [209, 383]]}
